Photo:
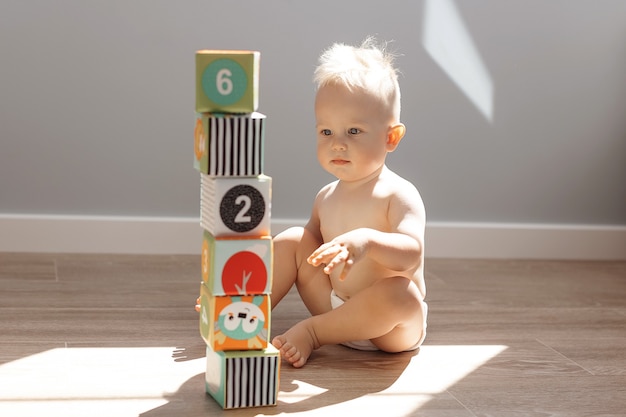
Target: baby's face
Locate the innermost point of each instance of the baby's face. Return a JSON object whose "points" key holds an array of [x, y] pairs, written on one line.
{"points": [[352, 132]]}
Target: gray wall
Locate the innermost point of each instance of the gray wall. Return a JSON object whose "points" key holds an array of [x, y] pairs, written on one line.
{"points": [[97, 102]]}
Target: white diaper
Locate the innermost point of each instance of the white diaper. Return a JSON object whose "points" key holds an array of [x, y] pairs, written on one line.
{"points": [[336, 301]]}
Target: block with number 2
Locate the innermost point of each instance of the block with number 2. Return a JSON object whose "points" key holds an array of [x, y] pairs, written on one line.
{"points": [[235, 206]]}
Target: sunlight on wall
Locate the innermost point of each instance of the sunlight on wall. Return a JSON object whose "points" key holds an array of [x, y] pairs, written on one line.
{"points": [[447, 40], [130, 381]]}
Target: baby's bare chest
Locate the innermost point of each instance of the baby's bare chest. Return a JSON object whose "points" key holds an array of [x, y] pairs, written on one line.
{"points": [[339, 215]]}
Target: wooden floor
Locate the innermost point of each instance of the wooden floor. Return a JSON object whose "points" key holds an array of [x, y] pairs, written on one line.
{"points": [[102, 335]]}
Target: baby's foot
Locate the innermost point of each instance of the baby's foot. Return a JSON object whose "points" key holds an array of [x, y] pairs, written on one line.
{"points": [[296, 344]]}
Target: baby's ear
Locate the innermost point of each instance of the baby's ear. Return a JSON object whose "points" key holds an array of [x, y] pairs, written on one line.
{"points": [[395, 135]]}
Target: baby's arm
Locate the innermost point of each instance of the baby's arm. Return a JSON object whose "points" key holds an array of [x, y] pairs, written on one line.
{"points": [[395, 251], [399, 250]]}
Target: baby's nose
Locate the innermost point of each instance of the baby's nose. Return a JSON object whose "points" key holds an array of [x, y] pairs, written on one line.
{"points": [[338, 144]]}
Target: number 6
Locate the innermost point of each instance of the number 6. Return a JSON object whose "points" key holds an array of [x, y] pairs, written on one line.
{"points": [[223, 83]]}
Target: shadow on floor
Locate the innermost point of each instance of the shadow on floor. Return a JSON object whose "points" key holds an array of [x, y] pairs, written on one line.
{"points": [[333, 375]]}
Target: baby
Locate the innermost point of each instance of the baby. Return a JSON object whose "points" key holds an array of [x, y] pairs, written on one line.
{"points": [[358, 264]]}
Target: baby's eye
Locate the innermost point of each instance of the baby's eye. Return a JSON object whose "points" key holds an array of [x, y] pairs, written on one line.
{"points": [[353, 131], [325, 132]]}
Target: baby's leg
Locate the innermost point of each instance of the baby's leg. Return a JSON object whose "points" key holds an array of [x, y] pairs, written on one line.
{"points": [[285, 268], [389, 313], [291, 249]]}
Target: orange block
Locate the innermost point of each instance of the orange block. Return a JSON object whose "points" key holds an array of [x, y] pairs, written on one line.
{"points": [[234, 322]]}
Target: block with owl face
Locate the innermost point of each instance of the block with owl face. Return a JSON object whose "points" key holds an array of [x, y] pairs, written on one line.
{"points": [[234, 322], [237, 266], [235, 206]]}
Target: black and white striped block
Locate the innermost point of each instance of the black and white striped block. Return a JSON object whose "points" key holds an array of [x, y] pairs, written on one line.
{"points": [[239, 379], [229, 145]]}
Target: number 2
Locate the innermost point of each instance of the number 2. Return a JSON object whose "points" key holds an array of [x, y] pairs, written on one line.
{"points": [[242, 216]]}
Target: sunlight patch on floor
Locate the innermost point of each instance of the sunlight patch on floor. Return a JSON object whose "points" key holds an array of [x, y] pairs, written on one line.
{"points": [[93, 381], [79, 408], [303, 392], [432, 371], [129, 381]]}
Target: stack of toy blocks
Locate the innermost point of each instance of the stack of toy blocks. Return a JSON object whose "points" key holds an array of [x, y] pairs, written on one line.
{"points": [[237, 251]]}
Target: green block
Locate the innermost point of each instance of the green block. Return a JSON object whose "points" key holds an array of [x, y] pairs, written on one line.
{"points": [[227, 81], [237, 266], [238, 379]]}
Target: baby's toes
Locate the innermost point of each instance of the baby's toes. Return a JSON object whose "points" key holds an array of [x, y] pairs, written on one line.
{"points": [[299, 363], [288, 351], [292, 355], [278, 341]]}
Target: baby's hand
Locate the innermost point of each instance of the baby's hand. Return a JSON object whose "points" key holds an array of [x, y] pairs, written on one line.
{"points": [[331, 255], [343, 251]]}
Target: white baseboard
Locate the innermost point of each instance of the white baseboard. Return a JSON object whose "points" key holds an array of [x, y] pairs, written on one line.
{"points": [[525, 241], [99, 234], [172, 235]]}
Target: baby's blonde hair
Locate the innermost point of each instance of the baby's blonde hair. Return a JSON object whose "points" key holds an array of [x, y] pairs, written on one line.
{"points": [[369, 67]]}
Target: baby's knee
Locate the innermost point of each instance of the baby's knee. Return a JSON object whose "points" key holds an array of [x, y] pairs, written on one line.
{"points": [[292, 234], [287, 243]]}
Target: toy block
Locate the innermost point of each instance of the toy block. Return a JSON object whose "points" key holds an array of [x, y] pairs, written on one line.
{"points": [[234, 322], [237, 266], [227, 81], [235, 206], [238, 379], [229, 144]]}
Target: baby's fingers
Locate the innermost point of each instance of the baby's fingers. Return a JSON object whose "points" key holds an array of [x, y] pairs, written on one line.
{"points": [[340, 258], [347, 265], [323, 254]]}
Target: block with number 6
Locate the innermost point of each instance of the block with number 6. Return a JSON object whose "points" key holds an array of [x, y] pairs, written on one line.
{"points": [[235, 206], [227, 81]]}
